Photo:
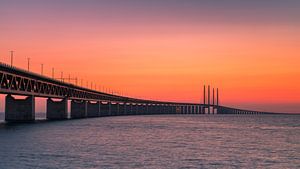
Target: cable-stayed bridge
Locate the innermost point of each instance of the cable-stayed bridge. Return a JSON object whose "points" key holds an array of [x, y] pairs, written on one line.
{"points": [[88, 102]]}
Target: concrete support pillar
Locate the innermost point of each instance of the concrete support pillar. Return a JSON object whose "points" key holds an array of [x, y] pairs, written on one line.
{"points": [[118, 109], [122, 108], [171, 108], [114, 109], [57, 110], [151, 109], [133, 109], [93, 109], [146, 109], [138, 109], [156, 109], [78, 109], [142, 110], [105, 108], [167, 109], [189, 109], [164, 109], [161, 109], [183, 110], [19, 110], [128, 108], [178, 109]]}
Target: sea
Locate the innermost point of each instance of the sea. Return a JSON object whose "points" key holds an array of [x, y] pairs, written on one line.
{"points": [[154, 142]]}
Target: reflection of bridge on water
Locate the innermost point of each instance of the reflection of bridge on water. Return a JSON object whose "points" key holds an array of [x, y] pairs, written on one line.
{"points": [[87, 102]]}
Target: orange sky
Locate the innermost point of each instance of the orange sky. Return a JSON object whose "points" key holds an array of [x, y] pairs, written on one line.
{"points": [[254, 64]]}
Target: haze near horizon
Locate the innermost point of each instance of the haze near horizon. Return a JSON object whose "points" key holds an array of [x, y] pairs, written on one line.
{"points": [[164, 50]]}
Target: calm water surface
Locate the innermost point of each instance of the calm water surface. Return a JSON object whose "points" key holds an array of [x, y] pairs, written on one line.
{"points": [[166, 141]]}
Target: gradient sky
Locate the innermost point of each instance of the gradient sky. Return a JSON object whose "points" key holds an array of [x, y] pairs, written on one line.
{"points": [[164, 49]]}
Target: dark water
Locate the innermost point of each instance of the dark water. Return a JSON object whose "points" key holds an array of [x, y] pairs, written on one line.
{"points": [[174, 141]]}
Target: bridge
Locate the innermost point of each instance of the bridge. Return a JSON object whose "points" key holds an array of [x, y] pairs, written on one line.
{"points": [[86, 102]]}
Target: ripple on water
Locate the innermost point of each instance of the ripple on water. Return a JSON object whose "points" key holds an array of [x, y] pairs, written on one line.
{"points": [[190, 141]]}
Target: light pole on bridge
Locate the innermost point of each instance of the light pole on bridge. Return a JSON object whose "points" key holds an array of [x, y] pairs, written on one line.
{"points": [[62, 76], [53, 73], [11, 58], [28, 63], [42, 69]]}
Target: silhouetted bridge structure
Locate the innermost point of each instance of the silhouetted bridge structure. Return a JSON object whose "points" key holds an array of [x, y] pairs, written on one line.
{"points": [[85, 102]]}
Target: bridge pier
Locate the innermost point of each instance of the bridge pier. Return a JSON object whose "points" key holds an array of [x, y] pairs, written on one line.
{"points": [[178, 109], [150, 109], [132, 109], [122, 108], [164, 109], [189, 109], [182, 109], [160, 109], [153, 109], [173, 109], [78, 109], [139, 109], [57, 110], [93, 109], [169, 109], [105, 108], [135, 109], [19, 110], [127, 108], [114, 109], [144, 109], [156, 109]]}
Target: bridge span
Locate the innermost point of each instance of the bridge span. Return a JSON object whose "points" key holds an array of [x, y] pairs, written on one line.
{"points": [[85, 102]]}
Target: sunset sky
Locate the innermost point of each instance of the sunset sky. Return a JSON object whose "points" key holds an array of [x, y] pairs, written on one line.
{"points": [[164, 49]]}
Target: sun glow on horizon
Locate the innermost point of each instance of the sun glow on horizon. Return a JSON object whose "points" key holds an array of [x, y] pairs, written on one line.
{"points": [[163, 50]]}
